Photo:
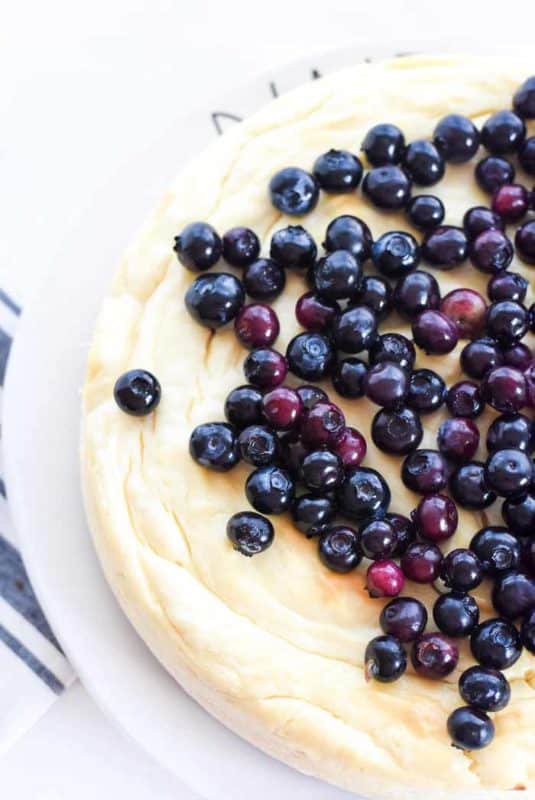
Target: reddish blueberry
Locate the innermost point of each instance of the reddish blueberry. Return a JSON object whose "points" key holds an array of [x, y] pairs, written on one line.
{"points": [[384, 579]]}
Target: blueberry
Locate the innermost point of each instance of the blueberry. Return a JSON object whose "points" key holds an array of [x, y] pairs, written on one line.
{"points": [[480, 356], [427, 391], [310, 356], [349, 377], [457, 138], [322, 426], [214, 445], [395, 253], [507, 321], [397, 432], [314, 312], [526, 156], [498, 551], [456, 614], [258, 445], [387, 187], [519, 514], [405, 532], [461, 570], [293, 247], [378, 540], [505, 389], [503, 133], [384, 579], [338, 171], [424, 163], [355, 329], [525, 242], [513, 594], [387, 384], [495, 643], [250, 533], [270, 490], [392, 347], [384, 144], [385, 659], [215, 299], [424, 471], [376, 293], [492, 172], [293, 451], [310, 395], [511, 431], [364, 494], [282, 408], [351, 447], [524, 99], [421, 562], [434, 656], [507, 286], [338, 275], [241, 247], [198, 246], [294, 191], [256, 325], [511, 201], [311, 513], [264, 279], [464, 399], [349, 233], [322, 471], [137, 392], [265, 368], [469, 488], [485, 689], [339, 548], [458, 439], [435, 517], [527, 631], [445, 246], [492, 251], [243, 406], [425, 212], [405, 618], [434, 332], [470, 729], [479, 219]]}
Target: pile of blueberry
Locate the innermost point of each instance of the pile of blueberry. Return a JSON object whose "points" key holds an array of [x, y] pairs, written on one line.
{"points": [[297, 437]]}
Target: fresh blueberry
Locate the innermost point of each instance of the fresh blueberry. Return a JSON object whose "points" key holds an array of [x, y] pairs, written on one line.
{"points": [[525, 242], [457, 138], [349, 233], [458, 439], [258, 445], [351, 447], [292, 452], [524, 99], [294, 191], [355, 329], [198, 246], [513, 594], [311, 513], [384, 579], [322, 425], [311, 356], [434, 332], [378, 540], [445, 247], [256, 325], [387, 384], [467, 309], [314, 312], [470, 729], [322, 471], [364, 494], [243, 407], [310, 395], [507, 286], [405, 618], [338, 171], [435, 517], [526, 156], [397, 432], [395, 253], [250, 533], [519, 356], [519, 514], [511, 201], [349, 377], [425, 211], [461, 570], [492, 172], [137, 392], [421, 562], [497, 549], [339, 548], [469, 488], [424, 471], [464, 399], [270, 490], [265, 368], [456, 614], [214, 299], [495, 643], [405, 532], [503, 133], [338, 275], [505, 389], [427, 391], [384, 144], [264, 279], [385, 659], [393, 347], [387, 187], [214, 445], [416, 292], [282, 408], [511, 431], [492, 251], [434, 656], [507, 321], [241, 246], [376, 293], [424, 163], [293, 247], [527, 631], [485, 689], [480, 356], [479, 219]]}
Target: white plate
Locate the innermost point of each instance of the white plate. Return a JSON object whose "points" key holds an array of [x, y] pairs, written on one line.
{"points": [[41, 451]]}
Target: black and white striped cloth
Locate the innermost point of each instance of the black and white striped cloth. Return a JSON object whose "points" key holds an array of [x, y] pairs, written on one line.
{"points": [[33, 668]]}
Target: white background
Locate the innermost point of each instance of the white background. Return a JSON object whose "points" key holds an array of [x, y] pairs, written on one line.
{"points": [[86, 87]]}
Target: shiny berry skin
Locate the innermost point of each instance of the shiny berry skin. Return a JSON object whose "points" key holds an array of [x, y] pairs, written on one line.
{"points": [[355, 329], [464, 399], [243, 406], [436, 517], [256, 325], [511, 431], [265, 368], [434, 656], [241, 246], [395, 253], [364, 494], [322, 425], [480, 356], [393, 347], [387, 187], [282, 408], [264, 279], [507, 321], [427, 391], [214, 299], [351, 447], [315, 313], [258, 445], [519, 356], [349, 377], [416, 292], [198, 246], [503, 133], [214, 445], [376, 293], [250, 533], [458, 439], [322, 471], [456, 614], [292, 452], [498, 551], [466, 308], [293, 247], [495, 643], [384, 144], [424, 471], [270, 490], [385, 659], [405, 532], [338, 275], [434, 332], [337, 171], [405, 618], [527, 631], [386, 384], [485, 689], [384, 579], [294, 191], [461, 570], [492, 251], [504, 388], [310, 356], [421, 562], [526, 156], [519, 514], [470, 729], [378, 540], [511, 202], [339, 548], [507, 286], [469, 488], [311, 513], [524, 99], [423, 162], [525, 242], [137, 392], [425, 211], [492, 172], [457, 138], [397, 432], [479, 219], [513, 594], [529, 377], [349, 233], [310, 395], [445, 247]]}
